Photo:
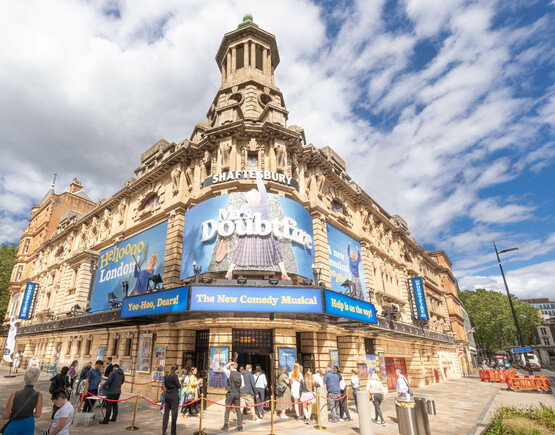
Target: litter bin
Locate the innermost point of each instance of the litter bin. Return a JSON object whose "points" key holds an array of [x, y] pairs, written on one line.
{"points": [[421, 411], [406, 417]]}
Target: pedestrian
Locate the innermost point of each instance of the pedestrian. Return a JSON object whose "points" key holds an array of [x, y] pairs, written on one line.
{"points": [[109, 367], [355, 386], [172, 400], [18, 357], [64, 415], [184, 379], [112, 386], [307, 395], [296, 390], [192, 392], [261, 383], [283, 392], [377, 395], [318, 378], [163, 396], [72, 373], [248, 392], [343, 410], [81, 382], [59, 382], [233, 386], [24, 406], [403, 388], [91, 384], [331, 381]]}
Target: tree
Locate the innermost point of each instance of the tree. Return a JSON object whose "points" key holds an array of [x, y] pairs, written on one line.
{"points": [[490, 313], [8, 252]]}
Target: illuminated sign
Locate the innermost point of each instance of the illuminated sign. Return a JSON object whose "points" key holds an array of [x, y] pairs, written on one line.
{"points": [[251, 175], [345, 263], [256, 299], [340, 305], [167, 301], [27, 299], [420, 299], [248, 231], [134, 260]]}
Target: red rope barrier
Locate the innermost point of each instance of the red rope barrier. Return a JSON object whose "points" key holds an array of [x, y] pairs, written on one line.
{"points": [[161, 406], [233, 406], [339, 398], [109, 400], [296, 403], [138, 383]]}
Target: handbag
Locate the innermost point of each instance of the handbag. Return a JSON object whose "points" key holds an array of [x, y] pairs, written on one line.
{"points": [[280, 387], [190, 397]]}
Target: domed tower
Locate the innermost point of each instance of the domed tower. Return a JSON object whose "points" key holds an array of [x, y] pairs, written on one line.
{"points": [[247, 58]]}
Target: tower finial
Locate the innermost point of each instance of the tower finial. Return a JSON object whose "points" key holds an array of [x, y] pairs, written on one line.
{"points": [[247, 19], [54, 180]]}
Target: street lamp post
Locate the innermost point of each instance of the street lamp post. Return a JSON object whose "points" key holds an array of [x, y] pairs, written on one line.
{"points": [[519, 334]]}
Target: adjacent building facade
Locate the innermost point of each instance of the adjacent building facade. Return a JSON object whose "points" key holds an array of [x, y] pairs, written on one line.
{"points": [[545, 307], [242, 242]]}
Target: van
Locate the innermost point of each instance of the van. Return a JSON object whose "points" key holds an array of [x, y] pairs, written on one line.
{"points": [[532, 359]]}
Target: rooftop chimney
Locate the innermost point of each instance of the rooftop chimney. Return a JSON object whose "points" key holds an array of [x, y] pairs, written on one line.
{"points": [[75, 186]]}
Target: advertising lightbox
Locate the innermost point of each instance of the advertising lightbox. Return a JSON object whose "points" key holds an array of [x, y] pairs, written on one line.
{"points": [[338, 304], [345, 263], [167, 301], [248, 231], [134, 260], [420, 297], [27, 299]]}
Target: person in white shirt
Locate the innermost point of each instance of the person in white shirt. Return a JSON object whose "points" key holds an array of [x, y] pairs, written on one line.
{"points": [[376, 389], [16, 361], [261, 383], [355, 386], [318, 378], [63, 416]]}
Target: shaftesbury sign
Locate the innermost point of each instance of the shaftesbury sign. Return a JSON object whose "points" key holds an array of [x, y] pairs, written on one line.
{"points": [[418, 299], [251, 175]]}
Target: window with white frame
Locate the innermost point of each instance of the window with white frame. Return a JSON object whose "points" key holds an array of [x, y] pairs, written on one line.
{"points": [[19, 272], [15, 304]]}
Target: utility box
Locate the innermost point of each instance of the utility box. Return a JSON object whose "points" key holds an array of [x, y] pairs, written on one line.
{"points": [[84, 419]]}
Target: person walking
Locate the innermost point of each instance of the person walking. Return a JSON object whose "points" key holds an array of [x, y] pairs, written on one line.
{"points": [[18, 357], [64, 415], [91, 384], [355, 386], [283, 392], [343, 410], [59, 382], [261, 383], [184, 380], [113, 390], [233, 386], [377, 395], [24, 406], [172, 400], [72, 373], [331, 381], [192, 391], [307, 395], [248, 392]]}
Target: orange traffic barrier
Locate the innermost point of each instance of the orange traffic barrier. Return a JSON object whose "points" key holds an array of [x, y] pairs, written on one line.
{"points": [[538, 383], [484, 375], [496, 375]]}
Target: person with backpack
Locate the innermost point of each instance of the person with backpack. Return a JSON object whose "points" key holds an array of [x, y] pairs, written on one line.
{"points": [[113, 391], [59, 382], [64, 415]]}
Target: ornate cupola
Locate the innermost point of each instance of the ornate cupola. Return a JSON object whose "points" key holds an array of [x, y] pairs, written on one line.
{"points": [[247, 58]]}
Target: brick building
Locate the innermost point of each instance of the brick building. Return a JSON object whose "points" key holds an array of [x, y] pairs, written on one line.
{"points": [[336, 278]]}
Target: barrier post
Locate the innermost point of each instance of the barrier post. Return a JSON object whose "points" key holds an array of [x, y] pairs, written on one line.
{"points": [[82, 400], [133, 427], [319, 425], [200, 432], [272, 413]]}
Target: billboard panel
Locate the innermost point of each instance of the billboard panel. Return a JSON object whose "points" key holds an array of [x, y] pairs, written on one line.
{"points": [[345, 263], [340, 305], [420, 299], [135, 259], [167, 301], [248, 231], [27, 299]]}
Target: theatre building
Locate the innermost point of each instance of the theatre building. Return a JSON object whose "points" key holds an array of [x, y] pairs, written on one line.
{"points": [[242, 242]]}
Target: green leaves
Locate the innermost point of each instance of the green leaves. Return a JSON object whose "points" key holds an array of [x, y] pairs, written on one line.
{"points": [[8, 252], [490, 313]]}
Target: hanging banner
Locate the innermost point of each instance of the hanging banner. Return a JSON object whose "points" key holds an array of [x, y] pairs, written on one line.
{"points": [[134, 261], [27, 299], [248, 231], [345, 264], [10, 341], [420, 298], [340, 305]]}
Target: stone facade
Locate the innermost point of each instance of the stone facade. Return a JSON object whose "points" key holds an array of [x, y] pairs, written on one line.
{"points": [[246, 129]]}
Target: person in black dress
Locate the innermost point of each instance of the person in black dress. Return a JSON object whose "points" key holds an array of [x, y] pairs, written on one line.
{"points": [[173, 387]]}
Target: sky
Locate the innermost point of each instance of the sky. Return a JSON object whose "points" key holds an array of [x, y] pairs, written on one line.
{"points": [[444, 110]]}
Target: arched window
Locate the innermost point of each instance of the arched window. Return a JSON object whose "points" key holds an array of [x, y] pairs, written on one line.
{"points": [[151, 202]]}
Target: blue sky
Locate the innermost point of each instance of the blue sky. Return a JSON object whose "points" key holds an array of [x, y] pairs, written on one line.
{"points": [[444, 110]]}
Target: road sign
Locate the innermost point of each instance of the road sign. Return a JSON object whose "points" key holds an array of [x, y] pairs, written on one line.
{"points": [[460, 351], [521, 350]]}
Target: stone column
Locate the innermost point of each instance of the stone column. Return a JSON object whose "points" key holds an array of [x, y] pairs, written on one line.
{"points": [[228, 65], [253, 55], [246, 54], [233, 59], [265, 61]]}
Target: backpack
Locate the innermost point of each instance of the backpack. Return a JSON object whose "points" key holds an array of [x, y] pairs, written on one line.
{"points": [[52, 386]]}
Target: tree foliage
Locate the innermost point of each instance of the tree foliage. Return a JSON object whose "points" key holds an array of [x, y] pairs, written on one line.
{"points": [[8, 252], [490, 313]]}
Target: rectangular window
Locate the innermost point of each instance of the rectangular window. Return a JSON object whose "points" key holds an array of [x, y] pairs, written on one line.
{"points": [[259, 54], [19, 272], [337, 206], [240, 56], [15, 304], [88, 347], [26, 247], [115, 347], [78, 349], [127, 347], [253, 159], [546, 341], [543, 331]]}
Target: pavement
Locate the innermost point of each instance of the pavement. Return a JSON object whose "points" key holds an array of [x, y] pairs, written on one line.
{"points": [[463, 406]]}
